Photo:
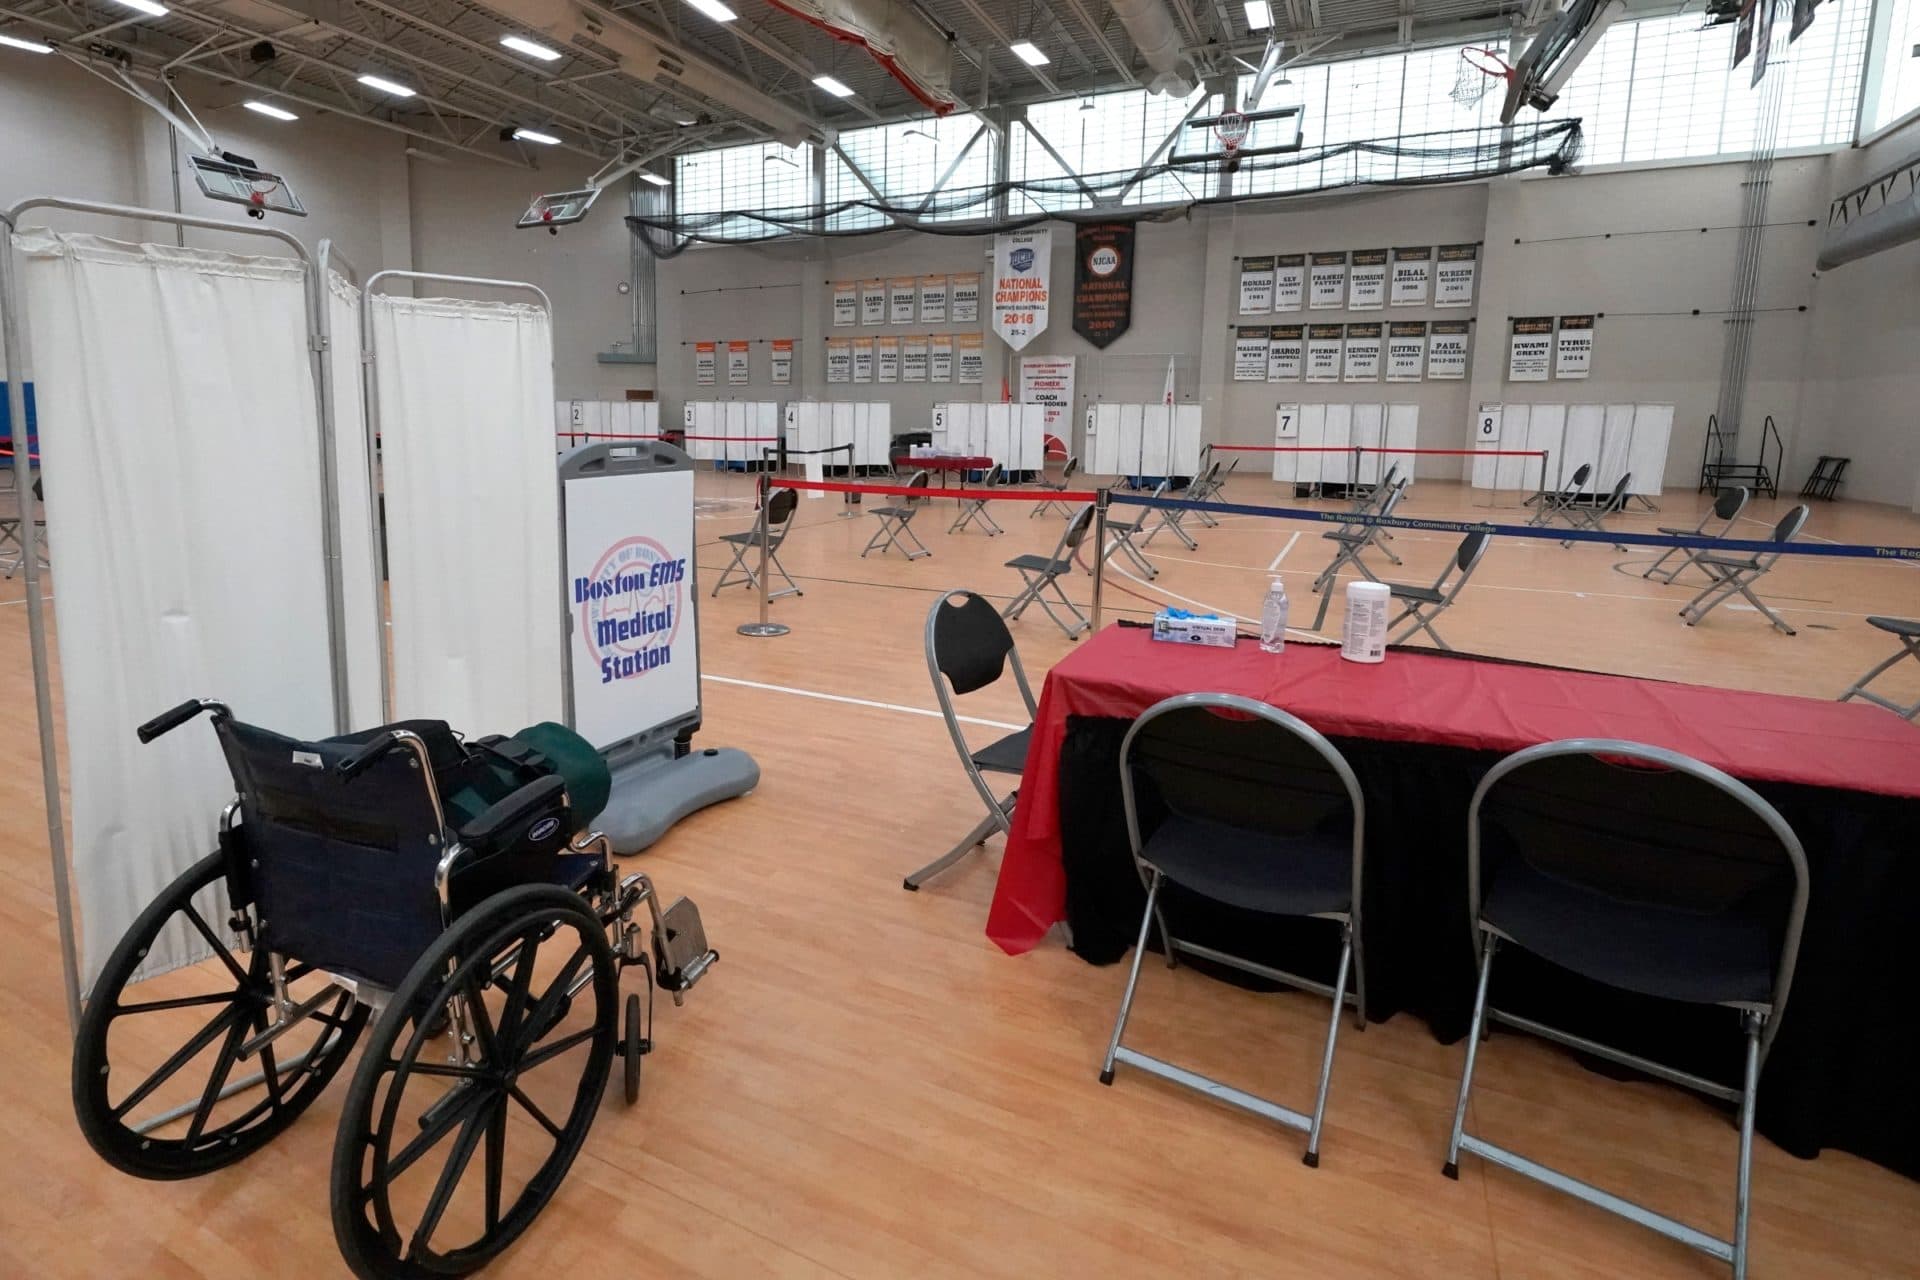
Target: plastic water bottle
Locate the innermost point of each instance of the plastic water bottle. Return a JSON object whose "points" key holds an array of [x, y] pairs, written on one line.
{"points": [[1273, 617]]}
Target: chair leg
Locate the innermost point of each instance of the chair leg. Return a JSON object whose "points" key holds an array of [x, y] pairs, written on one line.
{"points": [[726, 578], [792, 588], [1080, 622], [973, 840], [1133, 979], [1312, 1158], [1166, 938], [1745, 587], [1028, 592], [1452, 1167], [1859, 689], [1750, 1085]]}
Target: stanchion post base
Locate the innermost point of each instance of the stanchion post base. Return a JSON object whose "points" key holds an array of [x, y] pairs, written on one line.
{"points": [[763, 628]]}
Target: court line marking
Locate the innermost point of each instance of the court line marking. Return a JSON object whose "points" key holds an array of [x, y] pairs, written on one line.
{"points": [[23, 600], [1201, 604], [1282, 555], [856, 702]]}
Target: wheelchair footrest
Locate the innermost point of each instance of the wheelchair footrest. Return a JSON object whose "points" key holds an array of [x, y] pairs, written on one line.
{"points": [[684, 954]]}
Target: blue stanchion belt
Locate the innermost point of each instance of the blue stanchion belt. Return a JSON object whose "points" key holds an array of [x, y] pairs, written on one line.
{"points": [[1857, 551]]}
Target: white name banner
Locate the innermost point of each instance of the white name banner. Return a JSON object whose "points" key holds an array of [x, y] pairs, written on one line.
{"points": [[1250, 352], [863, 359], [970, 357], [846, 304], [913, 359], [1327, 282], [1412, 277], [1362, 353], [1289, 282], [873, 302], [902, 296], [1256, 286], [704, 356], [1573, 348], [839, 360], [886, 358], [739, 367], [964, 298], [1406, 350], [1530, 350], [781, 364], [1447, 350], [940, 358], [1453, 275], [1324, 343], [1285, 353], [1022, 288], [1367, 280], [933, 300]]}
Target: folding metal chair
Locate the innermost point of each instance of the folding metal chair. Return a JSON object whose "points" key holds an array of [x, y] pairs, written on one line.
{"points": [[1559, 504], [1424, 604], [1121, 533], [1174, 517], [1041, 572], [1058, 486], [1908, 632], [1650, 872], [1733, 575], [1594, 518], [968, 648], [775, 519], [1210, 486], [1361, 497], [974, 510], [10, 534], [1352, 539], [896, 523], [1727, 507], [1262, 814]]}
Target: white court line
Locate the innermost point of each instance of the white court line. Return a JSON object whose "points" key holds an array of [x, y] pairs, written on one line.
{"points": [[1275, 564], [23, 600], [856, 702], [1198, 604]]}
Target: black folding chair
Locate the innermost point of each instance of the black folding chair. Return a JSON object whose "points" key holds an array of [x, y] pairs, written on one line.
{"points": [[1908, 632], [974, 510], [1559, 504], [1058, 486], [1121, 533], [10, 532], [1650, 872], [1209, 488], [968, 648], [1727, 507], [1424, 604], [1735, 575], [1233, 800], [1351, 540], [896, 523], [775, 521], [1038, 573], [1594, 518]]}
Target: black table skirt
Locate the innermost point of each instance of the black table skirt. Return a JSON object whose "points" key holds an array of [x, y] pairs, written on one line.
{"points": [[1843, 1066]]}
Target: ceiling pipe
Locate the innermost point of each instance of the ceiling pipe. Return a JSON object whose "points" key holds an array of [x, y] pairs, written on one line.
{"points": [[1150, 26]]}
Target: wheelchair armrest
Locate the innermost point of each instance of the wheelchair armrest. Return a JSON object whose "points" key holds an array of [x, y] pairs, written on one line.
{"points": [[537, 796]]}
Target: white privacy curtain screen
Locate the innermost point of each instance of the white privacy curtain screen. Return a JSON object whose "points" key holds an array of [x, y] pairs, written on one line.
{"points": [[473, 540], [180, 436], [362, 612]]}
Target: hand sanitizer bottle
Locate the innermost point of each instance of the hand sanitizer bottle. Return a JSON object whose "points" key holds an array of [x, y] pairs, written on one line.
{"points": [[1273, 617]]}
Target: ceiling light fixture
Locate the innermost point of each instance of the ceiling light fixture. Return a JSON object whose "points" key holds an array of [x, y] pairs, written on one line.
{"points": [[269, 110], [520, 44], [386, 86], [656, 179], [25, 46], [1029, 53], [534, 135], [147, 7], [1259, 15], [832, 86], [713, 9]]}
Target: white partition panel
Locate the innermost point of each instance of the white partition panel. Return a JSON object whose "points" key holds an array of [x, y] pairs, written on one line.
{"points": [[1313, 433], [1493, 425], [1403, 432], [1586, 423], [1186, 440], [1547, 433], [1337, 468], [1127, 457], [1286, 433], [1647, 458], [1156, 440], [999, 431], [1616, 442], [1369, 431], [1540, 420], [701, 419]]}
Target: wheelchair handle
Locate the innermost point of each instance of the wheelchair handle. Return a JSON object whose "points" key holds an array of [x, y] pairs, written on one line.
{"points": [[363, 759], [168, 721]]}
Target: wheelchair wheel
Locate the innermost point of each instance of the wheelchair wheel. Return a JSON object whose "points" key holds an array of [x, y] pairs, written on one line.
{"points": [[632, 1047], [498, 1044], [158, 1085]]}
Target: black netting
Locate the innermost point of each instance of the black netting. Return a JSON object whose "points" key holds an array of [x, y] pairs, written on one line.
{"points": [[1160, 192]]}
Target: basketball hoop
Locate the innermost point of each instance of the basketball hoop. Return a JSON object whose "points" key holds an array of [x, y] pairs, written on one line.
{"points": [[1480, 70], [1231, 128]]}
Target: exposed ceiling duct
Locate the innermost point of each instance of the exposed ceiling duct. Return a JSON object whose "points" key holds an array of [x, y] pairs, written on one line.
{"points": [[1880, 215], [913, 50], [643, 57], [1150, 25]]}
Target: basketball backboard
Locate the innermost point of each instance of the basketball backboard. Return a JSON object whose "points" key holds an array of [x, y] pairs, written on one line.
{"points": [[1273, 131], [559, 209], [235, 180]]}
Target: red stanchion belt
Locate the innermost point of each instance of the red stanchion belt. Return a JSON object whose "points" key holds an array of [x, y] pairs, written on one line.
{"points": [[923, 491]]}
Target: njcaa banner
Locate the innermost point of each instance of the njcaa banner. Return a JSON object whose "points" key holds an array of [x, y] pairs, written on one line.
{"points": [[1022, 275], [636, 657], [1103, 281]]}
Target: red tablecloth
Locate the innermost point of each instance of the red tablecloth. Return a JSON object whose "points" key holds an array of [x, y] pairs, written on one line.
{"points": [[1438, 700], [941, 464]]}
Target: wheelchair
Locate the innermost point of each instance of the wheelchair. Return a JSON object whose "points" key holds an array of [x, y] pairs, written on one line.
{"points": [[449, 893]]}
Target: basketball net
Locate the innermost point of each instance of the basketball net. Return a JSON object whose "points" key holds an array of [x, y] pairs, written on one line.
{"points": [[1231, 128], [1480, 71]]}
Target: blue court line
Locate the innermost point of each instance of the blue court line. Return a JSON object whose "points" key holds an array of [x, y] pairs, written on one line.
{"points": [[1856, 551]]}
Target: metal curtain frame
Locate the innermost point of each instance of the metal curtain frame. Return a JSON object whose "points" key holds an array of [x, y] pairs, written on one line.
{"points": [[370, 396], [17, 366]]}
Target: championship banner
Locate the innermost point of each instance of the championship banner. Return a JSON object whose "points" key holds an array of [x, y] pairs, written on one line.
{"points": [[1022, 275], [963, 294], [846, 304], [1102, 281], [1048, 380], [1289, 282], [781, 364], [933, 300], [902, 297], [1743, 30], [862, 359], [1256, 286], [1447, 350], [738, 370], [1406, 350], [1285, 353], [1453, 275], [703, 362], [1412, 275], [913, 359], [1802, 18], [1530, 350], [1362, 353], [839, 360], [1324, 342], [970, 356], [1367, 280], [873, 302], [940, 358], [1573, 348], [1762, 41], [886, 358], [1250, 352], [1327, 282]]}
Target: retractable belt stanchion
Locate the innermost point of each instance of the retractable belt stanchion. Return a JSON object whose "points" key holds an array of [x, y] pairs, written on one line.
{"points": [[1101, 498], [763, 627]]}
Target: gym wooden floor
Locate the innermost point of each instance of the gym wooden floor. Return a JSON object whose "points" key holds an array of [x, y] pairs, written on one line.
{"points": [[866, 1087]]}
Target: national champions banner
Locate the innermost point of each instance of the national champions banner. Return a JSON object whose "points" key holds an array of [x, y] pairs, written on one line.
{"points": [[1022, 274], [1103, 281]]}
